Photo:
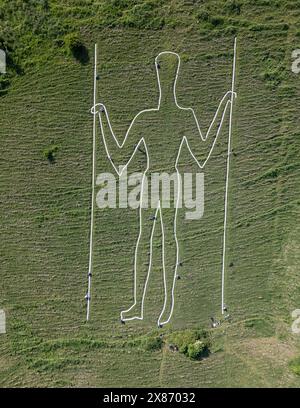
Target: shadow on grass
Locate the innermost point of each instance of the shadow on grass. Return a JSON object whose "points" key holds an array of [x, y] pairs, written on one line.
{"points": [[81, 54]]}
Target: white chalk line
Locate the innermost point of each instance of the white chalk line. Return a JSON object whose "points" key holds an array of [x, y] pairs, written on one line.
{"points": [[227, 180], [201, 166], [90, 270]]}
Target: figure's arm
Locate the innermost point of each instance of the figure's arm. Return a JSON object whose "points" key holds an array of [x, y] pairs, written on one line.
{"points": [[118, 153], [206, 143]]}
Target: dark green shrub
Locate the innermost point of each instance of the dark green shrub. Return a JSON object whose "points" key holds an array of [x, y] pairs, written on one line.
{"points": [[72, 41], [75, 46], [217, 21], [4, 83], [205, 17], [49, 153], [197, 350], [192, 343]]}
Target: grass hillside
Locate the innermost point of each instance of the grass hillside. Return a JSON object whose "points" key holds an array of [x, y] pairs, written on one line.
{"points": [[45, 184]]}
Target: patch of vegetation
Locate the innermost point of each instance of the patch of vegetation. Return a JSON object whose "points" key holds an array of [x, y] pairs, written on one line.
{"points": [[12, 65], [75, 46], [134, 14], [274, 72], [273, 76], [271, 174], [52, 363], [294, 366], [233, 7], [143, 15], [197, 350], [46, 25], [4, 84], [152, 342], [75, 344], [50, 153], [195, 344], [210, 20]]}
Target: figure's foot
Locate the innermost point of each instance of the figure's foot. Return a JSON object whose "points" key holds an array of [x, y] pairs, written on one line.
{"points": [[165, 317], [133, 313]]}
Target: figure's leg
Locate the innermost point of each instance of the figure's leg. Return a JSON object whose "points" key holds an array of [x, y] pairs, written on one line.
{"points": [[142, 263], [170, 259]]}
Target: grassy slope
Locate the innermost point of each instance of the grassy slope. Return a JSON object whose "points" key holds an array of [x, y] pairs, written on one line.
{"points": [[45, 213]]}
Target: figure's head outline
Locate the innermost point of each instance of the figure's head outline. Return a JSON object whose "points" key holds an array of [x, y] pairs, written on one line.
{"points": [[176, 73]]}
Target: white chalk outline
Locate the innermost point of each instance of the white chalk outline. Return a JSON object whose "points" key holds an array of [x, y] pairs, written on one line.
{"points": [[88, 295], [201, 166], [227, 180]]}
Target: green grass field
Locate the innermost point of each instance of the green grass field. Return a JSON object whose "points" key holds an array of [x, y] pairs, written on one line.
{"points": [[45, 207]]}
